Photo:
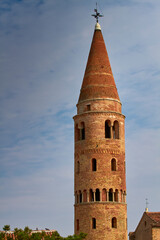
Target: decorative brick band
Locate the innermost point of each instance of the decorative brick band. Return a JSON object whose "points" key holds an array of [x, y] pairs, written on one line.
{"points": [[100, 150], [99, 112], [102, 202], [99, 99], [98, 73]]}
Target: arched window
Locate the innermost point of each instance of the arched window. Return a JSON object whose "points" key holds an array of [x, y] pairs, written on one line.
{"points": [[97, 195], [107, 129], [84, 196], [78, 167], [116, 130], [111, 195], [121, 195], [77, 198], [93, 223], [113, 164], [116, 196], [94, 165], [77, 133], [124, 196], [104, 195], [88, 107], [114, 222], [77, 224], [82, 131], [91, 195], [80, 196]]}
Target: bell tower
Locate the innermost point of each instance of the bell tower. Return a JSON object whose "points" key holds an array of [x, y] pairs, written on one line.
{"points": [[99, 164]]}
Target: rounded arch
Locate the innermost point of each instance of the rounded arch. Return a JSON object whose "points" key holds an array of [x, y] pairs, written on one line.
{"points": [[116, 195], [121, 195], [97, 195], [77, 133], [82, 131], [91, 195], [114, 222], [78, 167], [113, 164], [75, 197], [107, 129], [80, 196], [77, 224], [85, 195], [93, 223], [124, 196], [104, 194], [111, 195], [116, 130], [94, 165]]}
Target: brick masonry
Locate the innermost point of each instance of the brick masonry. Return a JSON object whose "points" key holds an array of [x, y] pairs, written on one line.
{"points": [[98, 102], [148, 227], [156, 233]]}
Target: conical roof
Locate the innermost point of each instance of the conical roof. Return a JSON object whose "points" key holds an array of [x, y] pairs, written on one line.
{"points": [[98, 81]]}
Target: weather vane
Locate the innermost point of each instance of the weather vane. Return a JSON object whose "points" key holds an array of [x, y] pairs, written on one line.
{"points": [[97, 14]]}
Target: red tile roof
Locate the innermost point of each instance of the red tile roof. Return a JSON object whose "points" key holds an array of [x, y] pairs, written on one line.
{"points": [[98, 81], [155, 216]]}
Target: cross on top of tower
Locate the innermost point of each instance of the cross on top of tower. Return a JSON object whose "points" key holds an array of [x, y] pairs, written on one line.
{"points": [[97, 14], [146, 205]]}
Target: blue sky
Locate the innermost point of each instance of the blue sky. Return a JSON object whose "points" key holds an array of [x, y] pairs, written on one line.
{"points": [[44, 47]]}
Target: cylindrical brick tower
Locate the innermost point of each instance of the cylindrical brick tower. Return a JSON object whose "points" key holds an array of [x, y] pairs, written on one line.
{"points": [[99, 165]]}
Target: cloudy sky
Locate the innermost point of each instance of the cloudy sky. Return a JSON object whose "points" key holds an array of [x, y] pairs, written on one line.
{"points": [[44, 45]]}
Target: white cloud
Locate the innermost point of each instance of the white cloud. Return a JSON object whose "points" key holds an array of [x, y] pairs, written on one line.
{"points": [[43, 55]]}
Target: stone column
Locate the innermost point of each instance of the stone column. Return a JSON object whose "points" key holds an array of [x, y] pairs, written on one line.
{"points": [[100, 196], [113, 196], [111, 131], [107, 196], [94, 194], [87, 196]]}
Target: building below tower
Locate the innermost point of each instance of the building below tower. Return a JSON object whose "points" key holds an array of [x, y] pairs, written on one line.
{"points": [[148, 227]]}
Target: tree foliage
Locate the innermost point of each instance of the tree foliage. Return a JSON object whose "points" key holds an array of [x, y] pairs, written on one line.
{"points": [[27, 234], [6, 227], [2, 235]]}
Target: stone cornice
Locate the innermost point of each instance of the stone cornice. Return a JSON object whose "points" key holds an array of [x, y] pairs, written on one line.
{"points": [[98, 112], [99, 73], [100, 202], [97, 99]]}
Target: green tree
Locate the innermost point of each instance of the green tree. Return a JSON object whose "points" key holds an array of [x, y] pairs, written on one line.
{"points": [[36, 236], [9, 237], [17, 231], [6, 228], [19, 234], [27, 234], [2, 235], [81, 236], [43, 234], [27, 230]]}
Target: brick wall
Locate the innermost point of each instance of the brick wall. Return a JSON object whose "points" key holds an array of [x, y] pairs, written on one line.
{"points": [[96, 146], [156, 233]]}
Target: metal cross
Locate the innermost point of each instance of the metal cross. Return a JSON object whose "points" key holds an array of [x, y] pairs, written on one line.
{"points": [[97, 14], [147, 202]]}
